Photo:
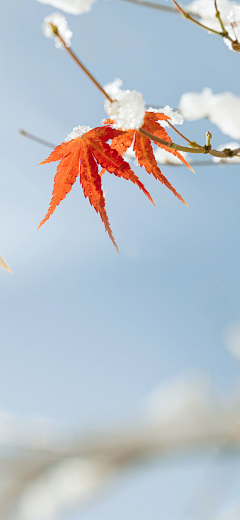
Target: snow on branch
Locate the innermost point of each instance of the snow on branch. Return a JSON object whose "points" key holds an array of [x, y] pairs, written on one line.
{"points": [[71, 6], [50, 471], [57, 22]]}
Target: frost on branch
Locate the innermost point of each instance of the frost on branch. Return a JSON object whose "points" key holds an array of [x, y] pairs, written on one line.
{"points": [[58, 20], [71, 6], [77, 131], [176, 118], [128, 108], [222, 109]]}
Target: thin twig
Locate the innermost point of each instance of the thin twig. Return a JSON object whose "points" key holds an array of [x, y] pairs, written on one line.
{"points": [[80, 64], [159, 7], [169, 144], [188, 16], [218, 16], [183, 136]]}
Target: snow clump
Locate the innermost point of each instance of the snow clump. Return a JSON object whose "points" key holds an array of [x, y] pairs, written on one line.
{"points": [[113, 88], [176, 118], [60, 22], [71, 6], [128, 107], [195, 105], [225, 113], [77, 131], [222, 109]]}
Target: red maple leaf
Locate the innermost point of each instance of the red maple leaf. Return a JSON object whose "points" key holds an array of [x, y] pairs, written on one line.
{"points": [[83, 155], [143, 147]]}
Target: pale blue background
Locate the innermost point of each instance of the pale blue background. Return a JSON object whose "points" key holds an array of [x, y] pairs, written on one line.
{"points": [[86, 333]]}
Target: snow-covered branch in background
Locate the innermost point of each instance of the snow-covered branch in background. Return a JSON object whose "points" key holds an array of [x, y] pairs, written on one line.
{"points": [[205, 10], [43, 472], [222, 109], [71, 6], [217, 17], [230, 16]]}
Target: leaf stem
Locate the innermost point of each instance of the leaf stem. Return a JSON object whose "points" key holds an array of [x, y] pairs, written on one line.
{"points": [[183, 136], [80, 64]]}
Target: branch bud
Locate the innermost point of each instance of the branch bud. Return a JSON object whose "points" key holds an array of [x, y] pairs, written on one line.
{"points": [[236, 46], [54, 29], [209, 137]]}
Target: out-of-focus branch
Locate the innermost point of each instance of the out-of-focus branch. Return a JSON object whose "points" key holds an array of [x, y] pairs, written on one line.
{"points": [[37, 139], [153, 5], [45, 472], [4, 265]]}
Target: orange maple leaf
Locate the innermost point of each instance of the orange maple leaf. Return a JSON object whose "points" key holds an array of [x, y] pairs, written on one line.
{"points": [[83, 154], [143, 148]]}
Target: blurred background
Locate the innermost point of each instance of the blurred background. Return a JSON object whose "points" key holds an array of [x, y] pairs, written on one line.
{"points": [[108, 360]]}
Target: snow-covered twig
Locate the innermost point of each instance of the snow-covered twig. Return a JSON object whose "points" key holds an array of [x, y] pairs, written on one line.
{"points": [[46, 472]]}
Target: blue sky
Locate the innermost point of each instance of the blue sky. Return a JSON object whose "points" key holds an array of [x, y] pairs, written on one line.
{"points": [[86, 333]]}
